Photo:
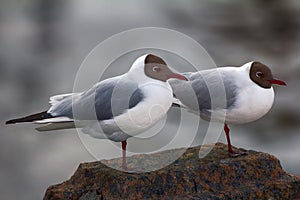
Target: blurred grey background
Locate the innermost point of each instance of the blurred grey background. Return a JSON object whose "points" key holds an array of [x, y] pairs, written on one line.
{"points": [[43, 43]]}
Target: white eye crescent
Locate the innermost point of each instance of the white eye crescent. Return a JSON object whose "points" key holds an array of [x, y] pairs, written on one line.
{"points": [[259, 74], [156, 69]]}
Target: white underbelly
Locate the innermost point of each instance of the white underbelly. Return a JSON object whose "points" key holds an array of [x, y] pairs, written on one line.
{"points": [[250, 105], [157, 102]]}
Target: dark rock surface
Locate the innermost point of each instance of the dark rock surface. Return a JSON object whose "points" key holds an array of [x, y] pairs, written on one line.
{"points": [[256, 175]]}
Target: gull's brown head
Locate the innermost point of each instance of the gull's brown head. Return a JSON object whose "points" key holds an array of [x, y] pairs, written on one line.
{"points": [[156, 68], [262, 75]]}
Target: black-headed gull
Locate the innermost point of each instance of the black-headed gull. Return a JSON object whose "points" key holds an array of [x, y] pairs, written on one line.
{"points": [[122, 106], [247, 93]]}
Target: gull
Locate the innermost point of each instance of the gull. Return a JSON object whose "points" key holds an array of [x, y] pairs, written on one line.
{"points": [[231, 95], [116, 108]]}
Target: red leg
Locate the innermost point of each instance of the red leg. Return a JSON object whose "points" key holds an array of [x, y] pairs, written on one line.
{"points": [[124, 164], [230, 151], [227, 130]]}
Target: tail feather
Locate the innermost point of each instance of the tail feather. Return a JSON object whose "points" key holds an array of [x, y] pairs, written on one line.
{"points": [[30, 118], [56, 126], [177, 103]]}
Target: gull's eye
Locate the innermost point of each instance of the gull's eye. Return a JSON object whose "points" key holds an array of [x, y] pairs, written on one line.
{"points": [[156, 69], [259, 74]]}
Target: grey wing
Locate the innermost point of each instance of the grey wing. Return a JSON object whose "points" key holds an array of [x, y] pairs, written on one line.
{"points": [[106, 131], [103, 101], [206, 90]]}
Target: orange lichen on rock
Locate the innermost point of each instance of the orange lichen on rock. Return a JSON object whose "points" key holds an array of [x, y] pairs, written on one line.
{"points": [[256, 175]]}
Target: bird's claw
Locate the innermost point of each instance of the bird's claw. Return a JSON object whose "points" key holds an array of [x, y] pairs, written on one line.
{"points": [[125, 168], [235, 154]]}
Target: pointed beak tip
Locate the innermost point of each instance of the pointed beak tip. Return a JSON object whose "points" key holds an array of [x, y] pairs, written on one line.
{"points": [[278, 82], [178, 76]]}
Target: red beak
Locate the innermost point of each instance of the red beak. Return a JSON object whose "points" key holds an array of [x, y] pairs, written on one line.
{"points": [[178, 76], [277, 82]]}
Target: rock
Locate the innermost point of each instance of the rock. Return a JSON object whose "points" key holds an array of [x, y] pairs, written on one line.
{"points": [[256, 175]]}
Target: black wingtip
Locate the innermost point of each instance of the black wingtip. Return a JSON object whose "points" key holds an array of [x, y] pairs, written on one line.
{"points": [[30, 118], [10, 122], [175, 105]]}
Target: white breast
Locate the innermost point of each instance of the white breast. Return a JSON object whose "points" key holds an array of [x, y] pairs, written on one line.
{"points": [[252, 103], [156, 103]]}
